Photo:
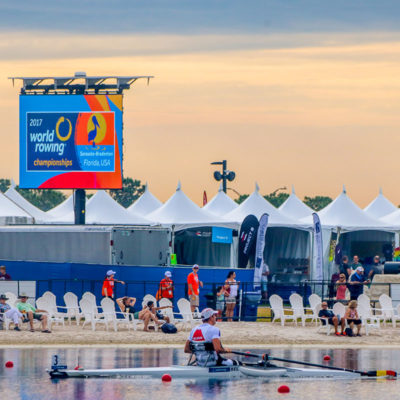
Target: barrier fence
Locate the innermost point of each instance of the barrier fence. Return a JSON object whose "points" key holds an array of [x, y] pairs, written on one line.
{"points": [[251, 305]]}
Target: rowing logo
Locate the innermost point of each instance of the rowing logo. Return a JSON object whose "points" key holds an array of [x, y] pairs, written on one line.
{"points": [[63, 129], [198, 336], [96, 129]]}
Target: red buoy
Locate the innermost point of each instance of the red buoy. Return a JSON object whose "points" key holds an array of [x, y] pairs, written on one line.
{"points": [[166, 378], [327, 358], [77, 368], [283, 389], [9, 364]]}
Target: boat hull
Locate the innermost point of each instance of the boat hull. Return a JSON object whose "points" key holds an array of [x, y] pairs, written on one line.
{"points": [[223, 372]]}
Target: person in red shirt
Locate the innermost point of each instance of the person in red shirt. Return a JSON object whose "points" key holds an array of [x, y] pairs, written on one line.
{"points": [[166, 289], [108, 284], [193, 287], [3, 274]]}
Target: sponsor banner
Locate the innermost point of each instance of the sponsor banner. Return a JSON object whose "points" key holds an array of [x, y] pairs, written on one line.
{"points": [[71, 141], [221, 235], [247, 239], [319, 265], [260, 245]]}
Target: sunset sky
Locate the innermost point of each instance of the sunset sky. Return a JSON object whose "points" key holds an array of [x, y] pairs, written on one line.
{"points": [[289, 92]]}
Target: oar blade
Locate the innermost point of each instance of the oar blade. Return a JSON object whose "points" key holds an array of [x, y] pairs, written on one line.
{"points": [[381, 373]]}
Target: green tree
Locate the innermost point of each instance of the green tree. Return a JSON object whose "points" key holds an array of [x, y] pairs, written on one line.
{"points": [[45, 199], [241, 198], [276, 199], [4, 185], [317, 203], [131, 191]]}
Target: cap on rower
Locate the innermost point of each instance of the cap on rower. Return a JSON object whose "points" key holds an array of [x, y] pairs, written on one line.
{"points": [[168, 274], [208, 313]]}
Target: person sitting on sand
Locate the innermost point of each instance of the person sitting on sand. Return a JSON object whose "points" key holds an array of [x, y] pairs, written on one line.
{"points": [[352, 317], [327, 316], [156, 311], [126, 304], [32, 313]]}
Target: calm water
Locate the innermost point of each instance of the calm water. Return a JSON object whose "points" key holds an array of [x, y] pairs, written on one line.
{"points": [[28, 379]]}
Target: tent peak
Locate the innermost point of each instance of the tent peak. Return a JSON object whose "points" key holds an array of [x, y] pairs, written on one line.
{"points": [[179, 187], [344, 189], [13, 183], [257, 188], [293, 191], [146, 187], [380, 190], [220, 189]]}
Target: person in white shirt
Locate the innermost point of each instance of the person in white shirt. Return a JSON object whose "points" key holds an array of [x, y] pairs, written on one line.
{"points": [[231, 286], [205, 342], [264, 280]]}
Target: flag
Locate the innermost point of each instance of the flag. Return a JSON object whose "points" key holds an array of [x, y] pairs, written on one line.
{"points": [[204, 198], [319, 264], [260, 245], [247, 239]]}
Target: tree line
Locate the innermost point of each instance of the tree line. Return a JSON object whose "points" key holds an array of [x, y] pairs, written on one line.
{"points": [[132, 189]]}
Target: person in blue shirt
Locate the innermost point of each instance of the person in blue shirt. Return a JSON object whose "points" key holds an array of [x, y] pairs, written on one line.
{"points": [[327, 316], [357, 282]]}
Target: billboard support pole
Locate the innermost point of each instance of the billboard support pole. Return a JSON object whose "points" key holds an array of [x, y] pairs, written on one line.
{"points": [[79, 206]]}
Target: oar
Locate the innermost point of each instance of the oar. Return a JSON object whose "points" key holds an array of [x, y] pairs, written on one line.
{"points": [[266, 357]]}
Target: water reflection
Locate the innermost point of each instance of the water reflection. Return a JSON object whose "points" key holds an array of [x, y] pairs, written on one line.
{"points": [[28, 379]]}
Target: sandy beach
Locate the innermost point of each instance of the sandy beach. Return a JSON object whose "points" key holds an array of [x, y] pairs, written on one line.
{"points": [[250, 334]]}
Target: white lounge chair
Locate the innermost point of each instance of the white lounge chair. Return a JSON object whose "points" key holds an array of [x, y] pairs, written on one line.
{"points": [[296, 303], [387, 309], [89, 296], [90, 314], [147, 298], [12, 299], [276, 303], [339, 310], [314, 300], [367, 311], [53, 316], [111, 316], [186, 313], [168, 311], [72, 307], [368, 320]]}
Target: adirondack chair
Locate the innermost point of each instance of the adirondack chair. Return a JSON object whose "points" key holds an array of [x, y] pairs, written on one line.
{"points": [[90, 314], [72, 307], [276, 303]]}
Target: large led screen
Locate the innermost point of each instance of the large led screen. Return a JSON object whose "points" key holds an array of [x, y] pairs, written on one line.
{"points": [[71, 141]]}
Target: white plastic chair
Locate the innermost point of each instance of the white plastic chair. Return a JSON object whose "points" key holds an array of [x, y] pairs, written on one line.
{"points": [[276, 303], [168, 312], [186, 313], [314, 300], [53, 316], [296, 302], [338, 309], [147, 298], [72, 307], [368, 320], [90, 314], [51, 307], [364, 302], [12, 299], [111, 316], [89, 296], [387, 309]]}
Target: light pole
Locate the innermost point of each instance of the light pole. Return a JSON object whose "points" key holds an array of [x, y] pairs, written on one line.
{"points": [[225, 175]]}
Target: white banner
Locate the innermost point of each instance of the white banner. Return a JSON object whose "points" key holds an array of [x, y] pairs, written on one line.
{"points": [[260, 245], [318, 248]]}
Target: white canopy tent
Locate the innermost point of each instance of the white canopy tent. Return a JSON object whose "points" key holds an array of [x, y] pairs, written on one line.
{"points": [[220, 204], [11, 213], [145, 204], [286, 238], [294, 207], [192, 230], [63, 213], [380, 206], [40, 216], [342, 220]]}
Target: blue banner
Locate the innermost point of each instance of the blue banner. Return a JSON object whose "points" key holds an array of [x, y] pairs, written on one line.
{"points": [[221, 235]]}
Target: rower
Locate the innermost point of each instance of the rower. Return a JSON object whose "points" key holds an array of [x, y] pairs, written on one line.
{"points": [[205, 343]]}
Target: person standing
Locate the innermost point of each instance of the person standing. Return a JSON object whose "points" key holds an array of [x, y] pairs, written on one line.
{"points": [[3, 274], [264, 280], [166, 288], [357, 282], [194, 285], [356, 262], [231, 287], [344, 267], [108, 284]]}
